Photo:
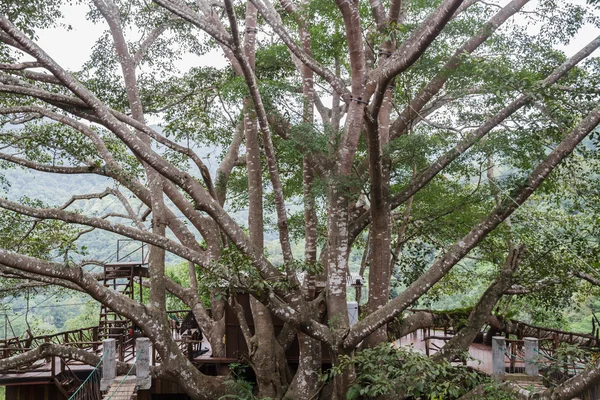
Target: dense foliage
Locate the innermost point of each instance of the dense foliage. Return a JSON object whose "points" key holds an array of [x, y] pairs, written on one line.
{"points": [[386, 370]]}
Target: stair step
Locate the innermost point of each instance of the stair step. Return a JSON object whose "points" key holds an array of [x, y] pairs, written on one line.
{"points": [[118, 273], [524, 377]]}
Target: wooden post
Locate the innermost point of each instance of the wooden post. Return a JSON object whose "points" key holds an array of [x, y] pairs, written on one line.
{"points": [[531, 356], [513, 357], [46, 340], [133, 341], [498, 351], [109, 364], [95, 338], [142, 366], [121, 345], [190, 350]]}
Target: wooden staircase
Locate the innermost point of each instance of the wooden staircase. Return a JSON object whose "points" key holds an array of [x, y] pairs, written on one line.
{"points": [[65, 379], [121, 277]]}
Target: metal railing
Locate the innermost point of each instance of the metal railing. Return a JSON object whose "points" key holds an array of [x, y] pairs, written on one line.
{"points": [[125, 246]]}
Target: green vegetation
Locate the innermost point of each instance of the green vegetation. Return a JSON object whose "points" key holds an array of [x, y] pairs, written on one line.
{"points": [[50, 311], [385, 371]]}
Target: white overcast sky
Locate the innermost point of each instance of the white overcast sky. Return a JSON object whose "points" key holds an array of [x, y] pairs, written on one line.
{"points": [[72, 48]]}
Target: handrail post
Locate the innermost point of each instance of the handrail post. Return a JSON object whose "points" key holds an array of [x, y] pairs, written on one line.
{"points": [[47, 340], [95, 338], [513, 356], [531, 356], [142, 365], [498, 351], [109, 363], [190, 351]]}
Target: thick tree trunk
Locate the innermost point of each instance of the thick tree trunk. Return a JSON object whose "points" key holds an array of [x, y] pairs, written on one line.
{"points": [[217, 334], [305, 384], [262, 354], [266, 356], [337, 266], [381, 228], [337, 225]]}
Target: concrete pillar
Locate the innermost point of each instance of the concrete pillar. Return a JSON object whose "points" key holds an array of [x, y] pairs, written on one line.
{"points": [[531, 356], [142, 365], [352, 312], [109, 363], [498, 352]]}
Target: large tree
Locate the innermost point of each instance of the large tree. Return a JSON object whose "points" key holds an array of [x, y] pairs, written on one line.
{"points": [[409, 132]]}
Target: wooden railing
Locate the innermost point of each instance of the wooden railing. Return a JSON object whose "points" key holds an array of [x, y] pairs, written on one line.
{"points": [[84, 338], [87, 339], [556, 335]]}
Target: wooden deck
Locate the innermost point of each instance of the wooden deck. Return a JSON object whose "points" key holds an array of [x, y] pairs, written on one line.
{"points": [[481, 355], [45, 370]]}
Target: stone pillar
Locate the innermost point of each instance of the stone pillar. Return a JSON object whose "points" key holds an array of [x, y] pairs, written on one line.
{"points": [[498, 351], [352, 312], [142, 365], [109, 363], [531, 356]]}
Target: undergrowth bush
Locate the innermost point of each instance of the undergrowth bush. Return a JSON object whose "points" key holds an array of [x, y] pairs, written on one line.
{"points": [[387, 370]]}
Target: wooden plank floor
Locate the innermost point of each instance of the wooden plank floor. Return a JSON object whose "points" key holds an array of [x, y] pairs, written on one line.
{"points": [[122, 388]]}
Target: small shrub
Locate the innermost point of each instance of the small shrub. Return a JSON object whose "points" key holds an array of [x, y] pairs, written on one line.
{"points": [[385, 370]]}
